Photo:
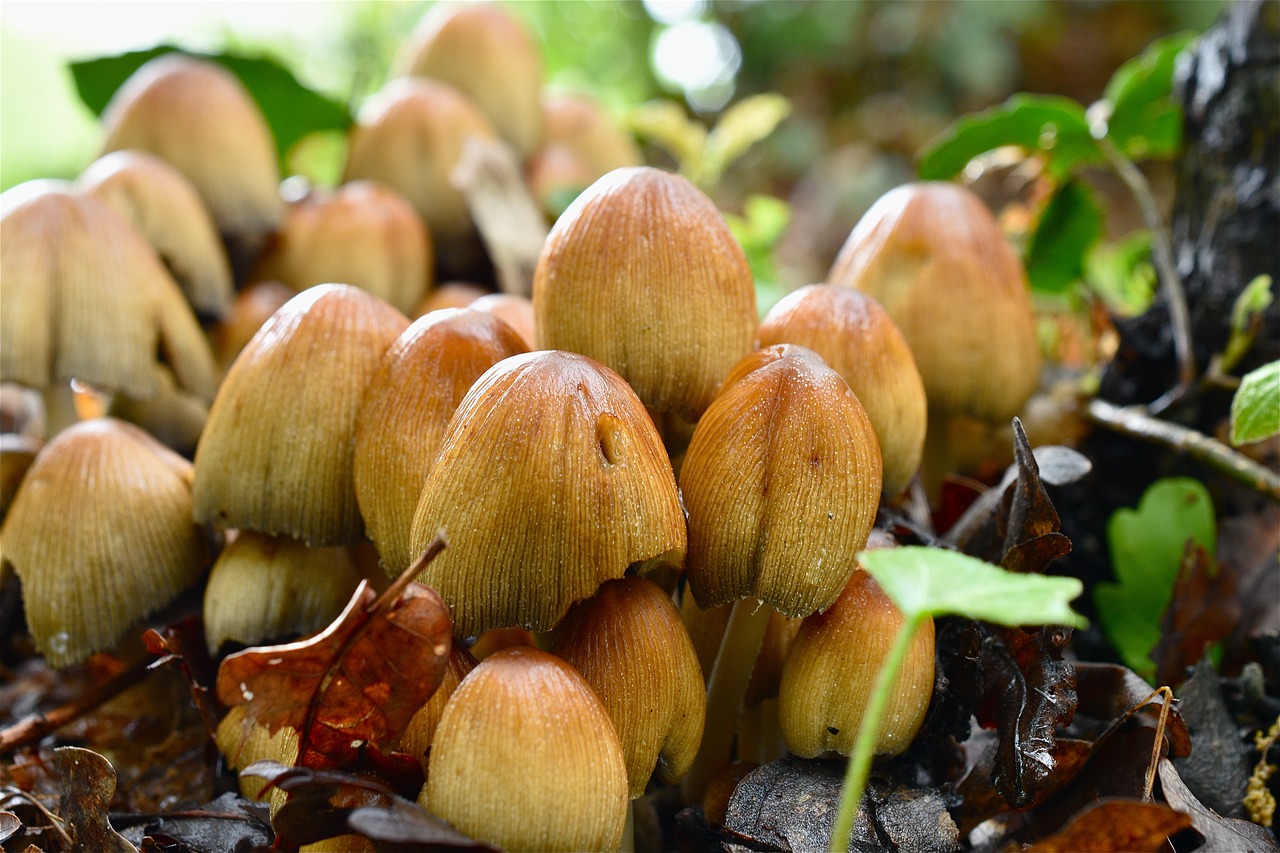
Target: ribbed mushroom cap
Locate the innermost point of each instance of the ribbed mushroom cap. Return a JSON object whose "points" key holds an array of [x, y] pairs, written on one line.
{"points": [[163, 206], [197, 116], [242, 742], [551, 480], [278, 449], [642, 274], [934, 256], [363, 234], [514, 310], [858, 339], [781, 483], [452, 294], [86, 298], [100, 534], [832, 667], [525, 758], [630, 645], [271, 587], [421, 730], [486, 54], [412, 396], [410, 136]]}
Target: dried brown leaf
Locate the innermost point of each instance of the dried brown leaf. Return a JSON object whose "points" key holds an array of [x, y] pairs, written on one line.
{"points": [[1220, 833], [1204, 608], [1116, 825], [89, 781]]}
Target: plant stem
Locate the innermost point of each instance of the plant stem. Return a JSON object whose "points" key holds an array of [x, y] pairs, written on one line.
{"points": [[1138, 422], [855, 775], [1170, 280]]}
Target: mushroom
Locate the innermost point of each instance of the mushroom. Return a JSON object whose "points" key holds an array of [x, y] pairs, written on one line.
{"points": [[858, 339], [453, 294], [514, 310], [581, 144], [781, 483], [551, 480], [418, 385], [421, 731], [642, 275], [253, 306], [484, 52], [363, 234], [525, 758], [100, 534], [276, 455]]}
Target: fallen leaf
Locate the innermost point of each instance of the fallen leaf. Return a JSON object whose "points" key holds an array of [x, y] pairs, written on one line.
{"points": [[1217, 770], [225, 825], [89, 781], [1204, 608], [1111, 694], [1116, 825], [182, 644], [1220, 833], [353, 687]]}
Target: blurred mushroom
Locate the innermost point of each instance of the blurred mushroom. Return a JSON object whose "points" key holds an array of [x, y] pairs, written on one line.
{"points": [[453, 294], [514, 310], [581, 144], [253, 306]]}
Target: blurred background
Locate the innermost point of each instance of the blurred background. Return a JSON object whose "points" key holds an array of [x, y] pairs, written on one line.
{"points": [[868, 82]]}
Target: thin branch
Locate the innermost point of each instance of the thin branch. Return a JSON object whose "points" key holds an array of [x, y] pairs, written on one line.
{"points": [[1138, 422], [1170, 280]]}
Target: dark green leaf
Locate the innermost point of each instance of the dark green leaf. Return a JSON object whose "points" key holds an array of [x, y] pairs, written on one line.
{"points": [[291, 109], [1069, 226], [1051, 126], [1143, 120]]}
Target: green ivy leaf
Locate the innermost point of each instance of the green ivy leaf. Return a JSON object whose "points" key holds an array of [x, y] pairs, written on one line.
{"points": [[1051, 126], [1142, 119], [938, 582], [1146, 546], [1255, 409], [1121, 272], [291, 109], [1069, 226]]}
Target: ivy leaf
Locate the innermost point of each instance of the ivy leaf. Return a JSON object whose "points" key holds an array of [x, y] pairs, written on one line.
{"points": [[742, 125], [291, 109], [1051, 126], [665, 124], [1069, 227], [1121, 272], [1141, 117], [1255, 409], [1147, 547]]}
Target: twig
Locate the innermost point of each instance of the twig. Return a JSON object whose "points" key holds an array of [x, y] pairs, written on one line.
{"points": [[31, 729], [1138, 422], [1170, 280]]}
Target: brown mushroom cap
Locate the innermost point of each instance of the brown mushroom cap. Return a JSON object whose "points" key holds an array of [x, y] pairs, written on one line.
{"points": [[86, 298], [642, 274], [832, 667], [484, 52], [418, 385], [551, 480], [525, 758], [197, 116], [630, 645], [253, 306], [276, 455], [363, 234], [781, 483], [421, 730], [858, 339], [514, 310], [934, 256], [100, 533], [165, 208], [581, 144]]}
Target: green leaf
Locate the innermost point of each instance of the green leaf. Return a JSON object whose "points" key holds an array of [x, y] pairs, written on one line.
{"points": [[666, 124], [938, 582], [1142, 119], [1146, 547], [291, 109], [1122, 273], [1245, 313], [1051, 126], [1069, 226], [742, 125], [1255, 410]]}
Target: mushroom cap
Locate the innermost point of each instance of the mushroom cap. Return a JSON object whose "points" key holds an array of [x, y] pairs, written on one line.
{"points": [[269, 587], [858, 339], [581, 144], [630, 645], [551, 480], [418, 385], [410, 137], [642, 274], [253, 306], [277, 452], [484, 52], [934, 256], [831, 671], [514, 310], [525, 758], [100, 534], [196, 115], [85, 297], [165, 208], [363, 234], [781, 482], [421, 731]]}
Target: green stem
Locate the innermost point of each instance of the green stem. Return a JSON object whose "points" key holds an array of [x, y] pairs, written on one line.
{"points": [[855, 776]]}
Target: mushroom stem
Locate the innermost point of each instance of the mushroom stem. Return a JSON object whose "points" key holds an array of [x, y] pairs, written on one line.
{"points": [[59, 408], [760, 734], [730, 676]]}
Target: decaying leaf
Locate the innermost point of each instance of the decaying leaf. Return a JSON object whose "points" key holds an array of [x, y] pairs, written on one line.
{"points": [[1204, 608], [1117, 825], [352, 688], [88, 783], [226, 825], [1220, 833]]}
